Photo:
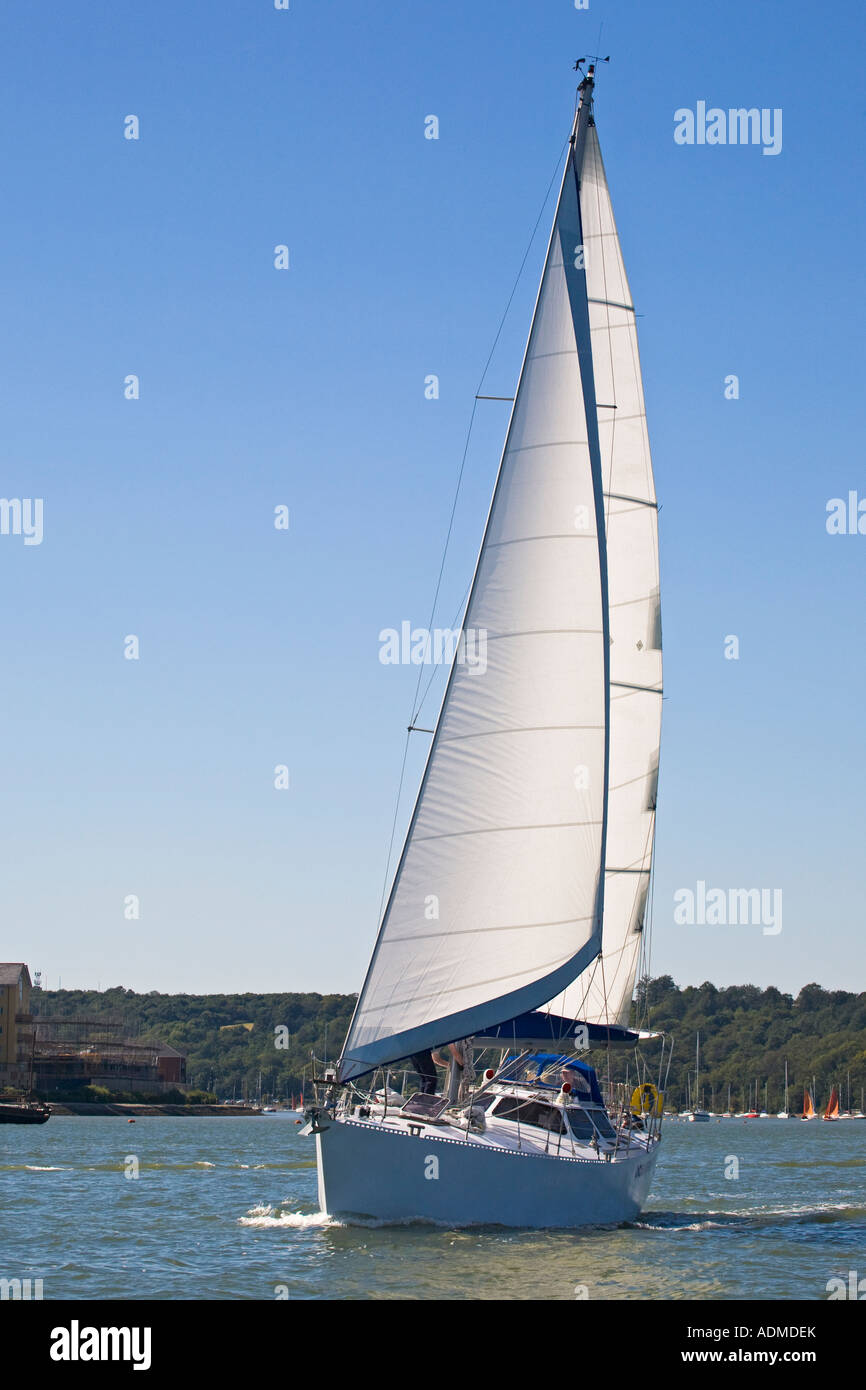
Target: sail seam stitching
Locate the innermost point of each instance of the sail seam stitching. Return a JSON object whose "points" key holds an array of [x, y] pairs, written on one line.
{"points": [[651, 689], [529, 729], [506, 926], [545, 632], [505, 829]]}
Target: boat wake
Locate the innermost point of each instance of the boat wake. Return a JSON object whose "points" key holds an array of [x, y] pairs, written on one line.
{"points": [[825, 1163], [747, 1220], [275, 1216], [268, 1216]]}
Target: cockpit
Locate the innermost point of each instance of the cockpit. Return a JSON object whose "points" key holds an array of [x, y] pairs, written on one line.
{"points": [[579, 1111]]}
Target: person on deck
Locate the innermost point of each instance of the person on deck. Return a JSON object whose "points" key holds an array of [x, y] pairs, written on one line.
{"points": [[458, 1058], [442, 1058], [424, 1065]]}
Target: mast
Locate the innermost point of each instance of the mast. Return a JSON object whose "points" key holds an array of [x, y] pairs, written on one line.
{"points": [[584, 109]]}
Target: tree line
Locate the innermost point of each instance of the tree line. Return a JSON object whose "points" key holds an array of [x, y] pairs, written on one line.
{"points": [[747, 1034]]}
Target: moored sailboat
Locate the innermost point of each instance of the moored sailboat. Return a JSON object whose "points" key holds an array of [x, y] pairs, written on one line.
{"points": [[524, 875], [698, 1114], [783, 1114], [24, 1112]]}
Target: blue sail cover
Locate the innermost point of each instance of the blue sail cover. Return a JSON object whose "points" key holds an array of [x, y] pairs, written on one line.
{"points": [[537, 1029]]}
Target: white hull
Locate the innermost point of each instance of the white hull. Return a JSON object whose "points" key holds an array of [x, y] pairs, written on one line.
{"points": [[373, 1171]]}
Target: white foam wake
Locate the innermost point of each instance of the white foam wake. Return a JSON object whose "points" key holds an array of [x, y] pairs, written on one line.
{"points": [[265, 1216]]}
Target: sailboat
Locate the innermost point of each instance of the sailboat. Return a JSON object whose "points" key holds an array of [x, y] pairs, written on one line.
{"points": [[698, 1115], [25, 1110], [783, 1113], [515, 915], [808, 1107], [832, 1111]]}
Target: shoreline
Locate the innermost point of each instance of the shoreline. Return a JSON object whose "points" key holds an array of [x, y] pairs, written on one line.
{"points": [[133, 1110]]}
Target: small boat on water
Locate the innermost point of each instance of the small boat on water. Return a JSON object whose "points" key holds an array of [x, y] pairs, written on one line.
{"points": [[832, 1111], [23, 1112], [808, 1107], [784, 1114], [697, 1116]]}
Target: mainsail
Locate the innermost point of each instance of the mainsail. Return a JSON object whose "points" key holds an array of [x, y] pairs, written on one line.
{"points": [[498, 898], [603, 993]]}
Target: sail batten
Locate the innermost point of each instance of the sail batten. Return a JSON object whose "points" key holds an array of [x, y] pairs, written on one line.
{"points": [[512, 830]]}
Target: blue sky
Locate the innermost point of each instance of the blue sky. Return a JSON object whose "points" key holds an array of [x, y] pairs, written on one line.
{"points": [[305, 387]]}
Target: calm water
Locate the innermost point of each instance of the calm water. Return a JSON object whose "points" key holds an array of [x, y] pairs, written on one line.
{"points": [[226, 1209]]}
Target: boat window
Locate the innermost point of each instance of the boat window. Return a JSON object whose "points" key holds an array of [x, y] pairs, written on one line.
{"points": [[584, 1125], [530, 1112], [581, 1124], [603, 1124]]}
